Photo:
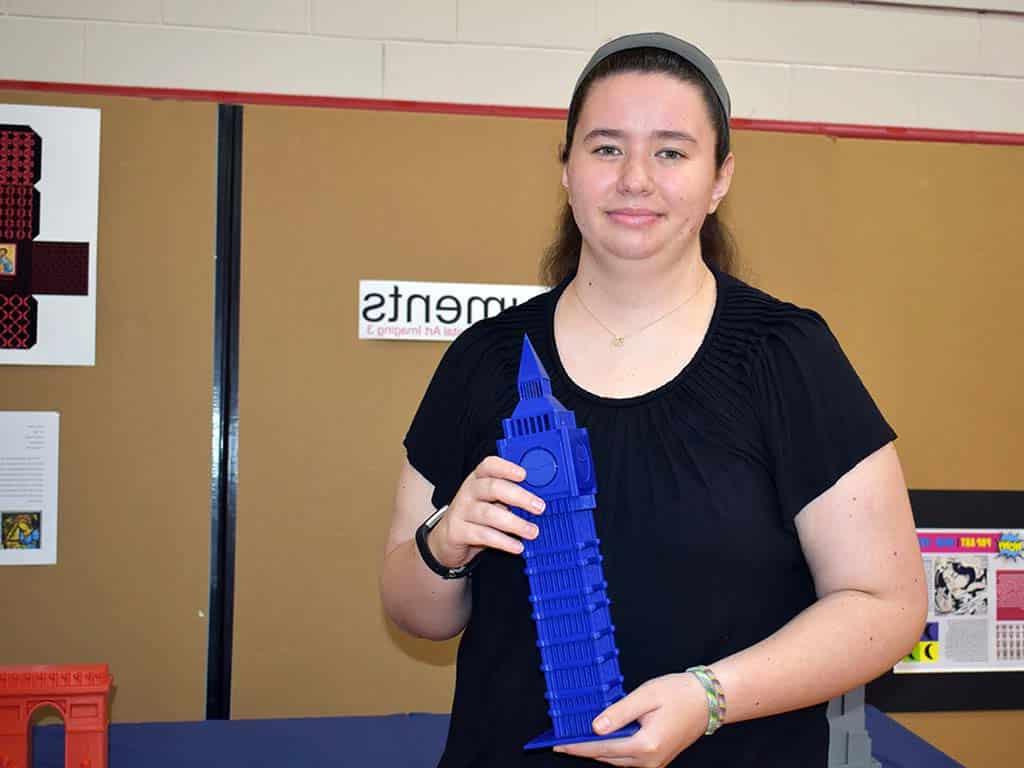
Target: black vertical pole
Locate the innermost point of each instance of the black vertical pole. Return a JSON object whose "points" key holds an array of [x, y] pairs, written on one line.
{"points": [[224, 471]]}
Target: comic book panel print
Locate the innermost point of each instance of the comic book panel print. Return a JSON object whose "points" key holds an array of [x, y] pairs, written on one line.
{"points": [[961, 586]]}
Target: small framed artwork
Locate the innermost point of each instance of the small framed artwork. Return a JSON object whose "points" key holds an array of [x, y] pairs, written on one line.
{"points": [[21, 530], [8, 261]]}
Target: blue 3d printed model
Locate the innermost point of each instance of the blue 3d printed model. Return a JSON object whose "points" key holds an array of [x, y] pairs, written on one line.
{"points": [[567, 587]]}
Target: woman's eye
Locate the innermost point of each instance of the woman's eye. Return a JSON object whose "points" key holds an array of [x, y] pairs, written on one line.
{"points": [[606, 150], [671, 154]]}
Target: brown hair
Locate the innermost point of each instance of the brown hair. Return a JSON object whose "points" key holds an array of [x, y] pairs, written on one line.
{"points": [[716, 242]]}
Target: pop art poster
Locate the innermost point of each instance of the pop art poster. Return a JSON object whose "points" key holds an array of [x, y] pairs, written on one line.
{"points": [[49, 199], [975, 602]]}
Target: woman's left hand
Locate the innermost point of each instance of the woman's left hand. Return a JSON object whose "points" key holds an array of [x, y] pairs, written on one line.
{"points": [[672, 711]]}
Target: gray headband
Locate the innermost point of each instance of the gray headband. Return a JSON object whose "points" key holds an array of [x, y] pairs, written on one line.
{"points": [[686, 51]]}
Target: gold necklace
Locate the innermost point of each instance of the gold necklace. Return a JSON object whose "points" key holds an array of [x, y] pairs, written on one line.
{"points": [[618, 339]]}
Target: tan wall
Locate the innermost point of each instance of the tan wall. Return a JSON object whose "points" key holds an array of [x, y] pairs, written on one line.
{"points": [[905, 248], [332, 197], [134, 507], [976, 739], [873, 234], [908, 251]]}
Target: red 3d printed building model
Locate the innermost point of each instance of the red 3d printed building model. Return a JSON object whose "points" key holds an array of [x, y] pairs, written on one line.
{"points": [[79, 692]]}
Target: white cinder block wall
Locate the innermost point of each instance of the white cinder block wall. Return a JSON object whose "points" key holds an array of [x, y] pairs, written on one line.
{"points": [[801, 60]]}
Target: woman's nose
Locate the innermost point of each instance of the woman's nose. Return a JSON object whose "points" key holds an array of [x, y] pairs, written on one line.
{"points": [[635, 178]]}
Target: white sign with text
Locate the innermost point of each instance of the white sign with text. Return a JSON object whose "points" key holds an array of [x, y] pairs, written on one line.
{"points": [[403, 310], [28, 487]]}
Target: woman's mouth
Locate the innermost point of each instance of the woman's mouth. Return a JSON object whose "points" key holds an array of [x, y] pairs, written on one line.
{"points": [[634, 217]]}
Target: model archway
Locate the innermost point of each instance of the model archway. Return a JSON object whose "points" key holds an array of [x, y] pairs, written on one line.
{"points": [[80, 693]]}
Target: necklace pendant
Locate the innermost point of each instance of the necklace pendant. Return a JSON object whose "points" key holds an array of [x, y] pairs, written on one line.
{"points": [[618, 341]]}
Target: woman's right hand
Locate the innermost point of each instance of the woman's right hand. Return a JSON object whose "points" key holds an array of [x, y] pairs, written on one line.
{"points": [[479, 516]]}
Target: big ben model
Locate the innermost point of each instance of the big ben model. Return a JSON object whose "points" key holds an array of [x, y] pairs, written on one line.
{"points": [[568, 593]]}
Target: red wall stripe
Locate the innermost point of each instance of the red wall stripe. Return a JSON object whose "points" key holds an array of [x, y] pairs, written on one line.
{"points": [[837, 130]]}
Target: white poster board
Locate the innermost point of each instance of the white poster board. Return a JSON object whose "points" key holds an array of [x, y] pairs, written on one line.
{"points": [[68, 203]]}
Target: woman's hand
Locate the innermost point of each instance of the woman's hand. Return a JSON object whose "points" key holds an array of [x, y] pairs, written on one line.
{"points": [[479, 517], [672, 711]]}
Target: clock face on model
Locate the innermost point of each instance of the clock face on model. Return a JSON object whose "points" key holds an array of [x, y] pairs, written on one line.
{"points": [[556, 463], [541, 467], [581, 458]]}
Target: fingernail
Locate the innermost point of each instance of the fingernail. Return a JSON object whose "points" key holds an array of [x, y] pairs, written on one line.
{"points": [[538, 505], [601, 724], [535, 532]]}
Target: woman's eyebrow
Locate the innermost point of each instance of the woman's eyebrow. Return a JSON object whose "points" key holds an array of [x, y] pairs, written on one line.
{"points": [[614, 133], [674, 136], [604, 133]]}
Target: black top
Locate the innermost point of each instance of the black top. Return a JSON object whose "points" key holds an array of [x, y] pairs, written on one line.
{"points": [[699, 482]]}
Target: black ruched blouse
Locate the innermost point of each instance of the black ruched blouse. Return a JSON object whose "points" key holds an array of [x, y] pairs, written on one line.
{"points": [[699, 482]]}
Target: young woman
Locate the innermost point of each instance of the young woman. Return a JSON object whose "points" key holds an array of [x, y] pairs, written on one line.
{"points": [[751, 507]]}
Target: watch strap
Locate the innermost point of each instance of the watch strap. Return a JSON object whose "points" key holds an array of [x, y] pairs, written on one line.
{"points": [[432, 562]]}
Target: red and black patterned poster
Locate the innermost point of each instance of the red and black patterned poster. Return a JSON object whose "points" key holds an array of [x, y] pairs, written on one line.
{"points": [[49, 196]]}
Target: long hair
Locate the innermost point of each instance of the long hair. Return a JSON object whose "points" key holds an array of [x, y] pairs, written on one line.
{"points": [[717, 245]]}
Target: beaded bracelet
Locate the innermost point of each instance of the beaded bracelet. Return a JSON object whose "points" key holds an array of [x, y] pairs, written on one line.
{"points": [[715, 696]]}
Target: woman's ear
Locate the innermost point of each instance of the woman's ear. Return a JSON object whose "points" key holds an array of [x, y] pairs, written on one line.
{"points": [[723, 180]]}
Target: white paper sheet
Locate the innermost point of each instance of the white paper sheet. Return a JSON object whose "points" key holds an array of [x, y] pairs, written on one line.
{"points": [[28, 487]]}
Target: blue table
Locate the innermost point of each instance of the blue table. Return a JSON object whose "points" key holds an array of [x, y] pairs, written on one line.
{"points": [[391, 741]]}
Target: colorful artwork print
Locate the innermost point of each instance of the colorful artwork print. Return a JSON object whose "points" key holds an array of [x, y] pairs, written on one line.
{"points": [[961, 586], [21, 530], [927, 648], [8, 260]]}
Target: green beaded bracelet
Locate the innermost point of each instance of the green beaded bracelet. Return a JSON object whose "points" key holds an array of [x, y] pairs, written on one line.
{"points": [[715, 696]]}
